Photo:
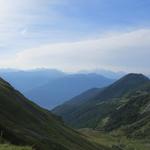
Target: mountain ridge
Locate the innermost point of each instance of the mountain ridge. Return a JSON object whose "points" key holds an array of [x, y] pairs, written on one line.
{"points": [[100, 105]]}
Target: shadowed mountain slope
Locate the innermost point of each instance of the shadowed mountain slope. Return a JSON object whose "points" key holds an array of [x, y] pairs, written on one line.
{"points": [[24, 123]]}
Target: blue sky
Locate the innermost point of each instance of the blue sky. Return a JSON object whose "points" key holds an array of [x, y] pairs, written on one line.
{"points": [[74, 35]]}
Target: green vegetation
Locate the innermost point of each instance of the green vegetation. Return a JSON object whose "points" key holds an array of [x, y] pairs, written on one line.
{"points": [[121, 110], [12, 147], [25, 123], [81, 113], [132, 118], [115, 142]]}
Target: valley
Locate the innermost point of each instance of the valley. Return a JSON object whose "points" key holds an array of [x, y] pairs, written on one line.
{"points": [[115, 141], [22, 122]]}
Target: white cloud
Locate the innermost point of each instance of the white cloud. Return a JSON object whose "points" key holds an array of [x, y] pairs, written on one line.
{"points": [[120, 51]]}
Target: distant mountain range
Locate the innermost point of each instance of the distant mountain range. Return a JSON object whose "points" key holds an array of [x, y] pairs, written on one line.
{"points": [[122, 106], [107, 73], [25, 123], [26, 80], [49, 87], [60, 90]]}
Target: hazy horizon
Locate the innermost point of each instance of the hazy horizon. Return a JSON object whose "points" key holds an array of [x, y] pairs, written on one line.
{"points": [[103, 72]]}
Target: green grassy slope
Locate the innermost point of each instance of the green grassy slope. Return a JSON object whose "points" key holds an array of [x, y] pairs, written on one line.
{"points": [[12, 147], [115, 142], [81, 113], [24, 123], [133, 117]]}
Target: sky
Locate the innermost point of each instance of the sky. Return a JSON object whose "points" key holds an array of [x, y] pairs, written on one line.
{"points": [[74, 35]]}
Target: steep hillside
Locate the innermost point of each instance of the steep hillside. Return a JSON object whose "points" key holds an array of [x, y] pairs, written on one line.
{"points": [[25, 123], [90, 112], [58, 91], [133, 116]]}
